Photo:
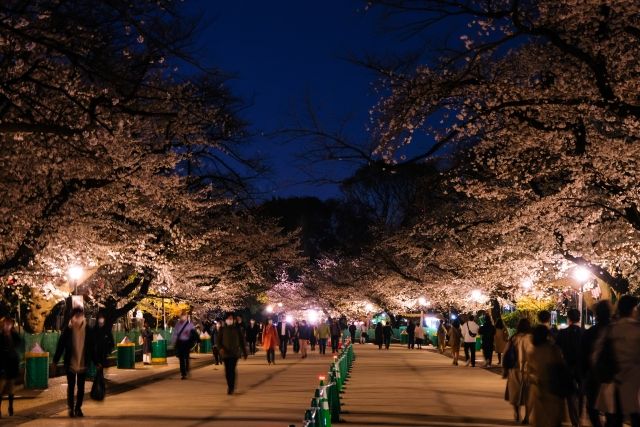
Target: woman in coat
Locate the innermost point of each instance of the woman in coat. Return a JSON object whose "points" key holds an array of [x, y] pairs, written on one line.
{"points": [[379, 335], [517, 390], [442, 336], [270, 341], [387, 332], [9, 360], [455, 337], [501, 338], [545, 366]]}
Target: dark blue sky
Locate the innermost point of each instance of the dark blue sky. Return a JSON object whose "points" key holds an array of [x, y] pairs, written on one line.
{"points": [[283, 52]]}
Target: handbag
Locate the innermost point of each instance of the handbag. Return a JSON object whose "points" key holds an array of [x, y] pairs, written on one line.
{"points": [[98, 388], [471, 334]]}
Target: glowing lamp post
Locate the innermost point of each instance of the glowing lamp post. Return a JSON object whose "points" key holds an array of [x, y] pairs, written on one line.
{"points": [[269, 309], [74, 274], [527, 284], [582, 275]]}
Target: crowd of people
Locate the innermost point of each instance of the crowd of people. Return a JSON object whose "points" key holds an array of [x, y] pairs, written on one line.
{"points": [[572, 370], [548, 371]]}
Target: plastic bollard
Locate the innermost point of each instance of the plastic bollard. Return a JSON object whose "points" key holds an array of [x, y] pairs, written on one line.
{"points": [[325, 413]]}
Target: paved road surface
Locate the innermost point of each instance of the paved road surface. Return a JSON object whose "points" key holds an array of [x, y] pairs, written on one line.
{"points": [[392, 388]]}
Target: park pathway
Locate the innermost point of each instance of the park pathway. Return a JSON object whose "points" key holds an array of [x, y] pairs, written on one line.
{"points": [[401, 387], [392, 388]]}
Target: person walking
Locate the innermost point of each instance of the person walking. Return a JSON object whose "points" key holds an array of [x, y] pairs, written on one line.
{"points": [[215, 329], [419, 335], [546, 367], [295, 337], [103, 346], [324, 332], [76, 346], [379, 335], [455, 338], [590, 378], [304, 335], [336, 333], [619, 399], [147, 339], [182, 340], [469, 332], [516, 370], [488, 332], [387, 331], [270, 341], [352, 332], [569, 340], [232, 345], [284, 335], [9, 361], [411, 335], [442, 336], [313, 337], [500, 339], [252, 335], [363, 332]]}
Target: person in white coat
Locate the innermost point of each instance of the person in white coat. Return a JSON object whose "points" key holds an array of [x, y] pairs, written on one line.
{"points": [[470, 332]]}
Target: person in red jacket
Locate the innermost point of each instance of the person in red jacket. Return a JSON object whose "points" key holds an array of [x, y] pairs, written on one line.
{"points": [[270, 341]]}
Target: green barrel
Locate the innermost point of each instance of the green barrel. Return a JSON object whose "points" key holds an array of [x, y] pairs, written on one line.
{"points": [[205, 345], [159, 352], [36, 373], [126, 356]]}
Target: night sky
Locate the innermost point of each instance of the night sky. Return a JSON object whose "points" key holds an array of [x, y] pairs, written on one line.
{"points": [[283, 52]]}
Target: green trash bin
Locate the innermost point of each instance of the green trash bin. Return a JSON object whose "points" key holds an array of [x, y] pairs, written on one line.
{"points": [[478, 343], [126, 356], [434, 340], [205, 345], [159, 352], [36, 372]]}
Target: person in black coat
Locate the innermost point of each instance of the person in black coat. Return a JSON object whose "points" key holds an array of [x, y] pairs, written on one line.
{"points": [[602, 311], [352, 332], [379, 338], [285, 333], [77, 347], [387, 332], [252, 335], [9, 360], [103, 341], [411, 334], [488, 333], [570, 342]]}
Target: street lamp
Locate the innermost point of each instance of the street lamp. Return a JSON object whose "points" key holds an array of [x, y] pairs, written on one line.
{"points": [[269, 309], [422, 301], [527, 284], [75, 273], [582, 275]]}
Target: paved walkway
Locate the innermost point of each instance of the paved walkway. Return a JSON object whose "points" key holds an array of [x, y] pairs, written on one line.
{"points": [[401, 387], [392, 388]]}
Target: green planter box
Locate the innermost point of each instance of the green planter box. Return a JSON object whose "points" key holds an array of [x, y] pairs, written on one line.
{"points": [[36, 373], [159, 352], [126, 356], [205, 345]]}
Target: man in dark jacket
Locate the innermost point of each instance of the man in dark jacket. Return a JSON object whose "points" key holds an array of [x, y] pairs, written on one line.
{"points": [[102, 341], [252, 335], [411, 334], [232, 345], [336, 332], [284, 333], [591, 384], [352, 332], [76, 344], [387, 332], [570, 341], [379, 335]]}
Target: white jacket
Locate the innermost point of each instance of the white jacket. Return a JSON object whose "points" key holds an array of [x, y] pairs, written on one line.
{"points": [[470, 327]]}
